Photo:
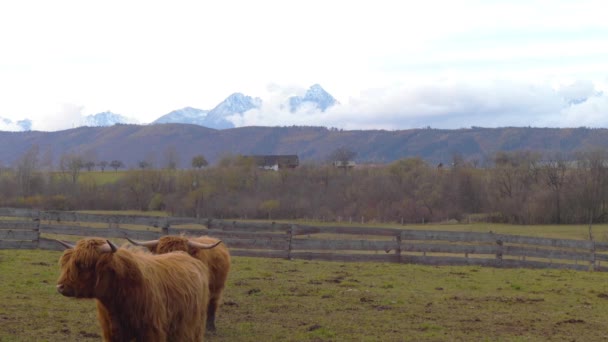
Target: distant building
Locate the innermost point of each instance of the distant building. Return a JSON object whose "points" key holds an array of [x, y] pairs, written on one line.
{"points": [[276, 162], [344, 164]]}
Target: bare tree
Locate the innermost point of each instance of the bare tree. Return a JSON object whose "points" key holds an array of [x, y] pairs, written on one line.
{"points": [[89, 158], [465, 188], [342, 156], [149, 161], [199, 161], [171, 158], [515, 178], [555, 173], [46, 158], [89, 165], [197, 197], [26, 167], [144, 164], [102, 165], [72, 164], [593, 184], [269, 206], [116, 164]]}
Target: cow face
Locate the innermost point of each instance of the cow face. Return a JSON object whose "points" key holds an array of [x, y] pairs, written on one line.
{"points": [[168, 244], [79, 268]]}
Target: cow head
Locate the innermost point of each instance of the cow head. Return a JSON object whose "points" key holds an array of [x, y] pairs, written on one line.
{"points": [[79, 267], [173, 243]]}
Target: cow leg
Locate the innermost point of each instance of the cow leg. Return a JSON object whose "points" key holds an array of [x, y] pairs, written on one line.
{"points": [[211, 314]]}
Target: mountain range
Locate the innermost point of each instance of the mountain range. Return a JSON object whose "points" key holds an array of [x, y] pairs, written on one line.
{"points": [[106, 119], [219, 117], [235, 104], [134, 143], [315, 98]]}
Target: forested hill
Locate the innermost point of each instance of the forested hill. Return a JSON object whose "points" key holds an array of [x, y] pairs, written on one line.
{"points": [[133, 143]]}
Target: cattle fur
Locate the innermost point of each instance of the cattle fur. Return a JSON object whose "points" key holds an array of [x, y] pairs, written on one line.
{"points": [[217, 259], [140, 296]]}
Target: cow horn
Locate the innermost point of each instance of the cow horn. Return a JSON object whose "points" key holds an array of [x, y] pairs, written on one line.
{"points": [[109, 247], [202, 245], [149, 244], [112, 246], [67, 245]]}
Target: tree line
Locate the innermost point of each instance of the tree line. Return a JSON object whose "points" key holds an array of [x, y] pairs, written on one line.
{"points": [[518, 187]]}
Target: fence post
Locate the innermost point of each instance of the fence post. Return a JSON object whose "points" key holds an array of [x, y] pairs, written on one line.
{"points": [[289, 238], [592, 266], [165, 227], [113, 224], [499, 244], [37, 230], [398, 249]]}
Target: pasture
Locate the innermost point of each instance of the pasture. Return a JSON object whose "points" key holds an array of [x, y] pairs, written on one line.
{"points": [[283, 300]]}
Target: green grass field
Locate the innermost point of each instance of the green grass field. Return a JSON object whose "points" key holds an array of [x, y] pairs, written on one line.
{"points": [[101, 178], [281, 300]]}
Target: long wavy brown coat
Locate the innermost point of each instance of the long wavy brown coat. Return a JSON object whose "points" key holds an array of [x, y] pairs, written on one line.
{"points": [[217, 259], [140, 296]]}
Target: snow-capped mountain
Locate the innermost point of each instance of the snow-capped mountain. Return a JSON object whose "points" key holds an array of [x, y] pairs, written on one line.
{"points": [[106, 119], [18, 126], [315, 95], [217, 118], [25, 124], [236, 103], [186, 115]]}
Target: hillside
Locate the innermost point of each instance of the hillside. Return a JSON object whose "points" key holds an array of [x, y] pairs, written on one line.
{"points": [[132, 143]]}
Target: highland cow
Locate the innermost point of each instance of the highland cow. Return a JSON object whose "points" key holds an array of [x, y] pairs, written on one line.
{"points": [[206, 249], [140, 296]]}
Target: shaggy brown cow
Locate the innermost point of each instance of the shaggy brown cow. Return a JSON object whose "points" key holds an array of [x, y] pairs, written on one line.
{"points": [[139, 296], [207, 249]]}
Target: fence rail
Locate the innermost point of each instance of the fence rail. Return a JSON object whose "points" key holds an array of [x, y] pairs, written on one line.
{"points": [[32, 229]]}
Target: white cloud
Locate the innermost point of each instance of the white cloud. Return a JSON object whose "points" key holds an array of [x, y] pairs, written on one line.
{"points": [[577, 91], [591, 113], [446, 105], [146, 58], [65, 117]]}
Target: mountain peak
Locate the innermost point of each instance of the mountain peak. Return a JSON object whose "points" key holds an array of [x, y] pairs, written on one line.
{"points": [[106, 118], [240, 102], [236, 103], [187, 115], [315, 95], [316, 88]]}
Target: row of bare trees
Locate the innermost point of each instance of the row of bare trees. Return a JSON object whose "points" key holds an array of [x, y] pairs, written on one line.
{"points": [[520, 187]]}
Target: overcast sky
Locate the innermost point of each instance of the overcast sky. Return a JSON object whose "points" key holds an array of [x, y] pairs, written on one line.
{"points": [[391, 64]]}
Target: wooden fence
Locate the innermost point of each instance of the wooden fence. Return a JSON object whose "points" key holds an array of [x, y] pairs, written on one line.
{"points": [[31, 229]]}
